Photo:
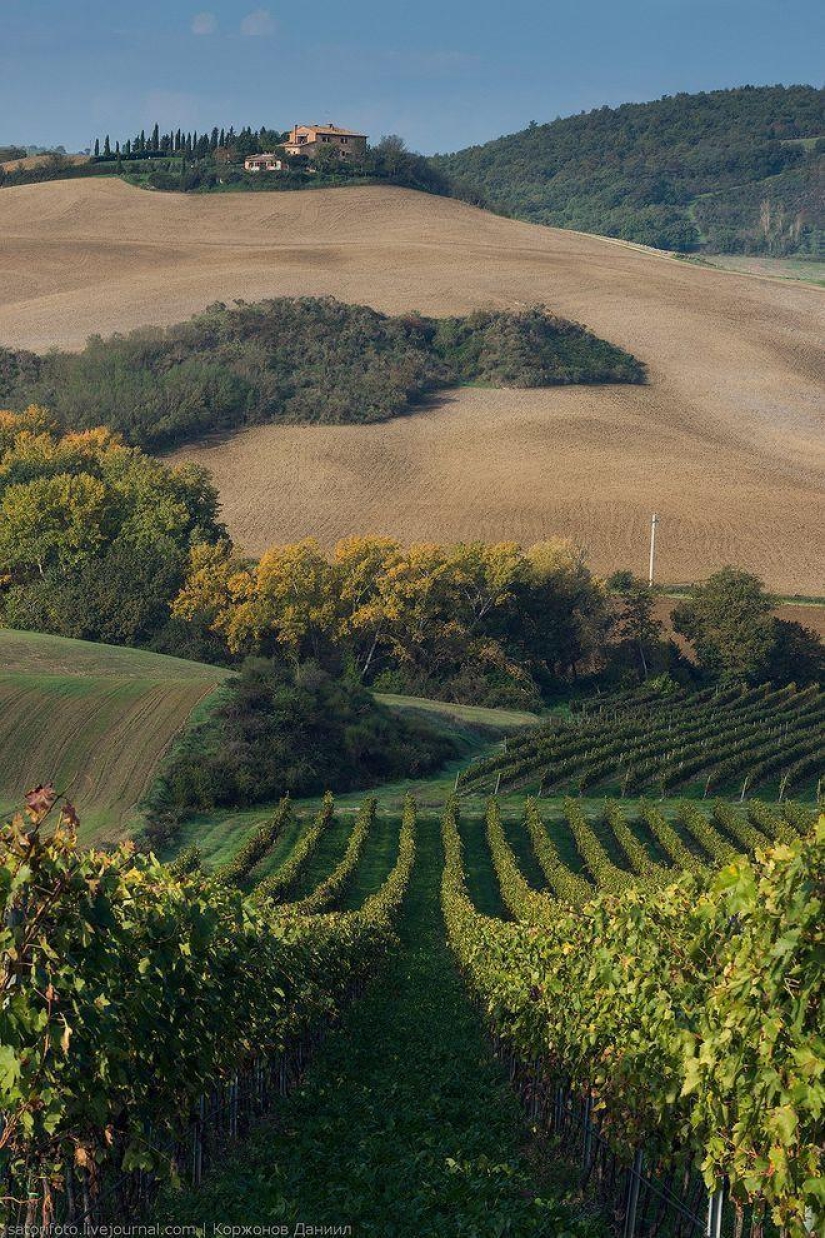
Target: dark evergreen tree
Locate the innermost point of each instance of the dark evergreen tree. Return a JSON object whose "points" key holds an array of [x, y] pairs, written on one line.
{"points": [[107, 150], [97, 148]]}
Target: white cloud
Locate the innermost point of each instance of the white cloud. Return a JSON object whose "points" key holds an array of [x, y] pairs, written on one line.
{"points": [[204, 23], [258, 24]]}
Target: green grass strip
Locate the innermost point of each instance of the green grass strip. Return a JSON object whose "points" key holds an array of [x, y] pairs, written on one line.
{"points": [[279, 884], [255, 847], [327, 895], [564, 883]]}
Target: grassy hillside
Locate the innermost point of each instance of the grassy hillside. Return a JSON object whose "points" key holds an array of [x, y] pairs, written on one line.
{"points": [[94, 719], [739, 171]]}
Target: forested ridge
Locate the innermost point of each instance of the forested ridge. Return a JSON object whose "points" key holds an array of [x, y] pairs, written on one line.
{"points": [[739, 171]]}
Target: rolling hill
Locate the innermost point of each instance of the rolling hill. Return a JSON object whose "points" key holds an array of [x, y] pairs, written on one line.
{"points": [[725, 441], [727, 170], [94, 719]]}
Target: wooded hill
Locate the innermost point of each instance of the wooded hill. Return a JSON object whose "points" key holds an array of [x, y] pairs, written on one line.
{"points": [[298, 360], [740, 171]]}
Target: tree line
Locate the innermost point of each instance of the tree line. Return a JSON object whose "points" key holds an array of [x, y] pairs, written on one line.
{"points": [[190, 143]]}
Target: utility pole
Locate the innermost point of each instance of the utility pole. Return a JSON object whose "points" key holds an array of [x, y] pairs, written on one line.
{"points": [[654, 521]]}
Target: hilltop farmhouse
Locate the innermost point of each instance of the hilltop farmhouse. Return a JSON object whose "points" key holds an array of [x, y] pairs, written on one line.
{"points": [[309, 139]]}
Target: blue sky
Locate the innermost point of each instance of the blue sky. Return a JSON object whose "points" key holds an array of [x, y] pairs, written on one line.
{"points": [[443, 73]]}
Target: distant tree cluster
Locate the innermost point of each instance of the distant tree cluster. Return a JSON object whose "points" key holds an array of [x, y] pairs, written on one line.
{"points": [[731, 628], [730, 170], [297, 360], [729, 620], [190, 144]]}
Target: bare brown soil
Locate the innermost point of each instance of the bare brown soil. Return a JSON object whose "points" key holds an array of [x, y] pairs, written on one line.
{"points": [[726, 443]]}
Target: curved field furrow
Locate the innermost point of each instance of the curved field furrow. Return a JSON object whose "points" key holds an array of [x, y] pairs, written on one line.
{"points": [[98, 731]]}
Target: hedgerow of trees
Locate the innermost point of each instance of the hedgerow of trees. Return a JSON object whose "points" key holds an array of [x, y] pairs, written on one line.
{"points": [[492, 624], [727, 171], [297, 360]]}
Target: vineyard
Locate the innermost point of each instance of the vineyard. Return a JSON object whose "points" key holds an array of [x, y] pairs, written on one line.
{"points": [[717, 741], [649, 974]]}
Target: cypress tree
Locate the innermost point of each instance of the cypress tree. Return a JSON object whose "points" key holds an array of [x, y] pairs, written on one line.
{"points": [[97, 148], [127, 150], [156, 137], [213, 141], [107, 150]]}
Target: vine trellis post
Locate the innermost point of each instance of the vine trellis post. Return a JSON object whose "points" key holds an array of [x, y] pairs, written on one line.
{"points": [[715, 1201], [634, 1181]]}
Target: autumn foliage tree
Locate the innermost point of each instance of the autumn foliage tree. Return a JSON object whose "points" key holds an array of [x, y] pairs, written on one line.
{"points": [[94, 535], [474, 621]]}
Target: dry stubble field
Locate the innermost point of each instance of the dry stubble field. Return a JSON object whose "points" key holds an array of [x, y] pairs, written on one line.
{"points": [[726, 443]]}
